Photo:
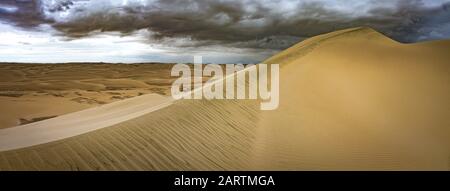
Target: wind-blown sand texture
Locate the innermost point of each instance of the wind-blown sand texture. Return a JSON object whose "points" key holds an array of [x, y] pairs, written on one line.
{"points": [[80, 122], [349, 100]]}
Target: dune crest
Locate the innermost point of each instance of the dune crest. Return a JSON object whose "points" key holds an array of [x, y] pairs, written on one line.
{"points": [[362, 101], [351, 99], [80, 122]]}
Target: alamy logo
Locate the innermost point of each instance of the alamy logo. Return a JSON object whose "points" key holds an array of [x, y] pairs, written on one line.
{"points": [[239, 82]]}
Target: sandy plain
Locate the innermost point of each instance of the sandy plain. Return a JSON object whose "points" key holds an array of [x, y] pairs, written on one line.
{"points": [[35, 92]]}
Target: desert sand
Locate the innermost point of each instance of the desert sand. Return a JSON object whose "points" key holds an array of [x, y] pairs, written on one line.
{"points": [[34, 92], [349, 100], [80, 122]]}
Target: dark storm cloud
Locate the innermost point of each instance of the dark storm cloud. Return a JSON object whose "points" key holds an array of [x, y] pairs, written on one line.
{"points": [[410, 21], [241, 23], [23, 13], [210, 22]]}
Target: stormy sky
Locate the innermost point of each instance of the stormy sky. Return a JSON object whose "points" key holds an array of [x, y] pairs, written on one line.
{"points": [[222, 31]]}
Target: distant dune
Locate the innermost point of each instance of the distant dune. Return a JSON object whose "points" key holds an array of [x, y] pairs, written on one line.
{"points": [[349, 100], [33, 92]]}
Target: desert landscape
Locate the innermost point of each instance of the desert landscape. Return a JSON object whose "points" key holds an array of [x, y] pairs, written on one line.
{"points": [[352, 99], [34, 92]]}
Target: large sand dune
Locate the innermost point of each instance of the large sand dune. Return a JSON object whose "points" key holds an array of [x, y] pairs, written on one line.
{"points": [[350, 99]]}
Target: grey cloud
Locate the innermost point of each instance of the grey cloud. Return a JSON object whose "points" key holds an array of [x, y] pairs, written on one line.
{"points": [[248, 24], [27, 13]]}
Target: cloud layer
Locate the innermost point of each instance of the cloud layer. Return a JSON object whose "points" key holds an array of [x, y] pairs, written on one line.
{"points": [[233, 23]]}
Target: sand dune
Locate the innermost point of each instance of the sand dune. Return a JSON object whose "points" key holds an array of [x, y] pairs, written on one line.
{"points": [[80, 122], [363, 101], [350, 99]]}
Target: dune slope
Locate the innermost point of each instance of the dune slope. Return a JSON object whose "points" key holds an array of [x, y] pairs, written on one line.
{"points": [[350, 99], [362, 101], [80, 122]]}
